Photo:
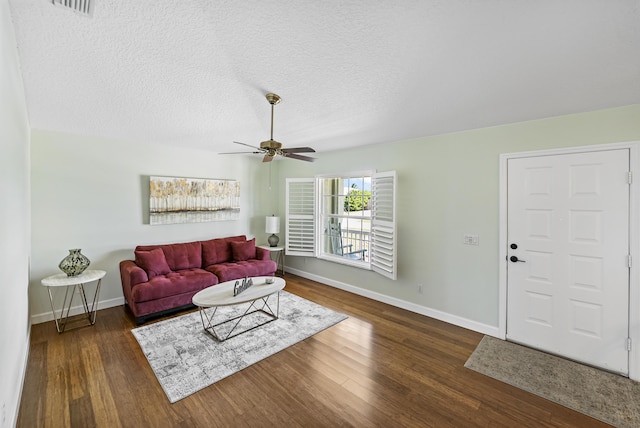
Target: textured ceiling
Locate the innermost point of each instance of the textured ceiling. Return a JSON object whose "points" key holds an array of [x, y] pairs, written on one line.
{"points": [[350, 72]]}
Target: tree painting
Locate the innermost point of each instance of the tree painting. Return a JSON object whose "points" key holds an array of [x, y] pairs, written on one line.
{"points": [[192, 200]]}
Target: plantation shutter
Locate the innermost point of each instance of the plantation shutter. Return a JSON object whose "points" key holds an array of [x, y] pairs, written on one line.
{"points": [[383, 224], [300, 217]]}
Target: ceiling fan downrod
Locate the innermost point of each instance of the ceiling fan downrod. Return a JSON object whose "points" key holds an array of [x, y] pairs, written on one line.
{"points": [[273, 100]]}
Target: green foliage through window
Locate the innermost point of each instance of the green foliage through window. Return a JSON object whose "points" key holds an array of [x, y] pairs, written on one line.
{"points": [[357, 200]]}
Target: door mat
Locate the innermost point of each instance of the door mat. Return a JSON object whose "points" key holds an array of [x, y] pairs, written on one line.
{"points": [[609, 397]]}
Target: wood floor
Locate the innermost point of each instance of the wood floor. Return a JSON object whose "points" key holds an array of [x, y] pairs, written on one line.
{"points": [[382, 367]]}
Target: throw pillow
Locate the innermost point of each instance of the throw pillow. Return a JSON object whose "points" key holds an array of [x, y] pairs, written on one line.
{"points": [[209, 253], [153, 262], [243, 250]]}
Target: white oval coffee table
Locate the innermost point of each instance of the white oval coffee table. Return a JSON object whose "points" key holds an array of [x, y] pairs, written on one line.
{"points": [[257, 296]]}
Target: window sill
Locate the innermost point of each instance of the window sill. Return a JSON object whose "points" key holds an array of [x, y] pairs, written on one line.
{"points": [[345, 261]]}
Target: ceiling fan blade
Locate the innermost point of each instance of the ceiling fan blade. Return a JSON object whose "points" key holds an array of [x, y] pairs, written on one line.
{"points": [[298, 157], [299, 150], [239, 153], [267, 158], [249, 145]]}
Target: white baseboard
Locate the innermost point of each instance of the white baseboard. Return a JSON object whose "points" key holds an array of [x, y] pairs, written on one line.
{"points": [[23, 375], [76, 310], [403, 304], [399, 303]]}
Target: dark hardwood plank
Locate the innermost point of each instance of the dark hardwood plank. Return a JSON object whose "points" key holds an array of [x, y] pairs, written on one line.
{"points": [[382, 367]]}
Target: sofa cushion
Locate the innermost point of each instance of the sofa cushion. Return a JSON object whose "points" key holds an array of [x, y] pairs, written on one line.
{"points": [[173, 283], [153, 262], [243, 250], [236, 270], [186, 255], [218, 250]]}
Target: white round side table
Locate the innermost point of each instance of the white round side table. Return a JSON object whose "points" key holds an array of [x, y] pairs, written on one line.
{"points": [[77, 282], [279, 255]]}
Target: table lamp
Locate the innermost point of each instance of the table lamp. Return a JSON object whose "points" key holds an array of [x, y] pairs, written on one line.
{"points": [[272, 226]]}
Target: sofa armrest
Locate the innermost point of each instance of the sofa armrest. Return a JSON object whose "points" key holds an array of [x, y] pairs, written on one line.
{"points": [[262, 254], [130, 275]]}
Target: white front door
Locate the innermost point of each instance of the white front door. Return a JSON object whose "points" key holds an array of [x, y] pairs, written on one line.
{"points": [[568, 255]]}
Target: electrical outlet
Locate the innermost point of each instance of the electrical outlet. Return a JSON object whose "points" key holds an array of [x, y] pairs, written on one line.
{"points": [[420, 288]]}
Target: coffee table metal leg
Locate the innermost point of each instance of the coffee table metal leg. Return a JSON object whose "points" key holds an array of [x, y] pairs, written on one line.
{"points": [[210, 327], [265, 304]]}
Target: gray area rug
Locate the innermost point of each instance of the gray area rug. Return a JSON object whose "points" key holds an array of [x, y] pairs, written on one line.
{"points": [[602, 395], [186, 359]]}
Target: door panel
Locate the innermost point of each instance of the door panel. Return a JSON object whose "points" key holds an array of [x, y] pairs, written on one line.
{"points": [[568, 291]]}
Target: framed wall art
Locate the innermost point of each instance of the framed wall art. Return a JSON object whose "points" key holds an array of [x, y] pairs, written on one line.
{"points": [[192, 200]]}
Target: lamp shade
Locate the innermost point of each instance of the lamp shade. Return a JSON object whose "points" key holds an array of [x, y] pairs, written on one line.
{"points": [[272, 224]]}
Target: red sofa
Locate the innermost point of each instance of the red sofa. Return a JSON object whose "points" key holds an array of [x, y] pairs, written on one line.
{"points": [[163, 278]]}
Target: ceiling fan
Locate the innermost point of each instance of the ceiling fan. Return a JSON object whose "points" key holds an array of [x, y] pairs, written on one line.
{"points": [[271, 147]]}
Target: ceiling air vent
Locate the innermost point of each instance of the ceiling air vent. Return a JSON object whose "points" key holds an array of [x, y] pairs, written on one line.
{"points": [[83, 7]]}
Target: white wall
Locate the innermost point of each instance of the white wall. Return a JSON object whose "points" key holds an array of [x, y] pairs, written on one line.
{"points": [[14, 224], [92, 194], [448, 187]]}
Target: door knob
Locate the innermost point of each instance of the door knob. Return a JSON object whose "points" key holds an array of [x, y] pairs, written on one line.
{"points": [[514, 246], [514, 259]]}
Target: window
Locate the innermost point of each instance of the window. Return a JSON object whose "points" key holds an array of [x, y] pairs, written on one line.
{"points": [[347, 218]]}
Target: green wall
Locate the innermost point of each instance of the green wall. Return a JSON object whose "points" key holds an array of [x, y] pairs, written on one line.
{"points": [[448, 186]]}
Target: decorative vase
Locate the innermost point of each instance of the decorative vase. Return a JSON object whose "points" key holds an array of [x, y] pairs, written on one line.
{"points": [[75, 263]]}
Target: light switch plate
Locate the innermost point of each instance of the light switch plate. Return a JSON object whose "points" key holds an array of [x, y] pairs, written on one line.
{"points": [[471, 240]]}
